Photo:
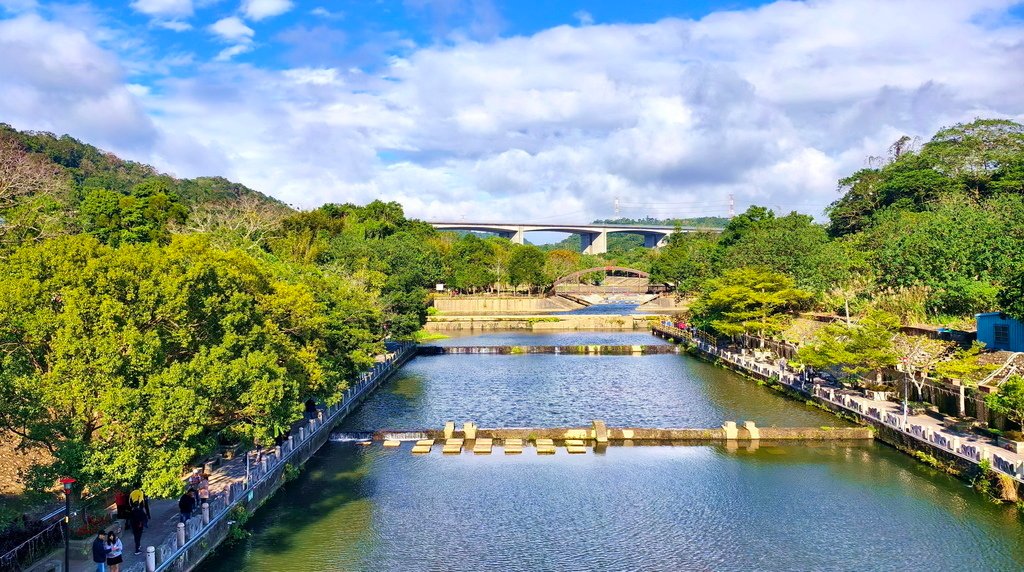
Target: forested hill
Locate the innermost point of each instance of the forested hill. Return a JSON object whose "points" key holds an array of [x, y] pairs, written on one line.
{"points": [[91, 168]]}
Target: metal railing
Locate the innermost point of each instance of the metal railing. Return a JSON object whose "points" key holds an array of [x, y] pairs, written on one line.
{"points": [[34, 548], [200, 536], [972, 451]]}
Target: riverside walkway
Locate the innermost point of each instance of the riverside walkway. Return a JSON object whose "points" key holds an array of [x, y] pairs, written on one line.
{"points": [[923, 429], [245, 481]]}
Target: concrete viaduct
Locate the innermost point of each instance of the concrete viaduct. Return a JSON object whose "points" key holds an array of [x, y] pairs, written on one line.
{"points": [[594, 237]]}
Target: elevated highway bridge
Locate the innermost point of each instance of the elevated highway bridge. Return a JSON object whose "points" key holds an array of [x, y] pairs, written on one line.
{"points": [[594, 236]]}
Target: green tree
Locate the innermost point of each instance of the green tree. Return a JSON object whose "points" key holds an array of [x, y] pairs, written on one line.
{"points": [[126, 363], [471, 263], [687, 261], [866, 346], [526, 267], [1009, 400], [747, 300], [1011, 297]]}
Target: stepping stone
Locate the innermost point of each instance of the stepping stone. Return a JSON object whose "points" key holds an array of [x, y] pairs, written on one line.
{"points": [[545, 446], [513, 446], [421, 449], [392, 442], [483, 446], [574, 443], [452, 447], [426, 442], [575, 449]]}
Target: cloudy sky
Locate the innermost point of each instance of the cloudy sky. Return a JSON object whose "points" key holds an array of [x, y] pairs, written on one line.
{"points": [[512, 110]]}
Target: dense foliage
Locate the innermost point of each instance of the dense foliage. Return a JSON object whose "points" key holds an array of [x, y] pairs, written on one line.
{"points": [[930, 234]]}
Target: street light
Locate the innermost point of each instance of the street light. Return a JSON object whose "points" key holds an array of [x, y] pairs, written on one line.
{"points": [[67, 482], [905, 367]]}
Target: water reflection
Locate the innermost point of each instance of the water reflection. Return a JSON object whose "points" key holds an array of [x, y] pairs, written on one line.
{"points": [[822, 507]]}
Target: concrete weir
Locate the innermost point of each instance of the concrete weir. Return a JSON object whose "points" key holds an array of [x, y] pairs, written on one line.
{"points": [[567, 350], [548, 437]]}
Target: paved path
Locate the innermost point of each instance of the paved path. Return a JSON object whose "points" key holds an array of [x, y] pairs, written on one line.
{"points": [[925, 428]]}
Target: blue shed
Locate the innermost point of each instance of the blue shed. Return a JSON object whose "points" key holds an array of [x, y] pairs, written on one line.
{"points": [[1000, 332]]}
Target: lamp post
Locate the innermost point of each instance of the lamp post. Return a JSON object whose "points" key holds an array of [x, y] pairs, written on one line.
{"points": [[905, 363], [67, 482]]}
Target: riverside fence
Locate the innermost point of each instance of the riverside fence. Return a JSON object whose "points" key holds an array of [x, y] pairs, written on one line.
{"points": [[197, 538], [874, 412]]}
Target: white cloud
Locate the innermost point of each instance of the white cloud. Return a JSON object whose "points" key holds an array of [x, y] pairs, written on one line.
{"points": [[55, 78], [771, 105], [260, 9], [18, 6], [583, 17], [175, 25], [232, 29], [165, 8], [228, 53]]}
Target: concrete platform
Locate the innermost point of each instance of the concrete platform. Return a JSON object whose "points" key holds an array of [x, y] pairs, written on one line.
{"points": [[483, 446], [392, 442], [421, 449], [513, 446], [452, 447], [575, 447], [545, 446]]}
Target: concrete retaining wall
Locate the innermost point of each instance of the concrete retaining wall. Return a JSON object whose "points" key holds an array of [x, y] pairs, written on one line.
{"points": [[538, 323], [504, 305]]}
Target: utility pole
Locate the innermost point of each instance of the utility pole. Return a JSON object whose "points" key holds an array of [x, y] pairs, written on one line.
{"points": [[732, 206]]}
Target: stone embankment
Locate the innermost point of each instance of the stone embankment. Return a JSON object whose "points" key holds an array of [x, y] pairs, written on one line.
{"points": [[446, 324], [963, 451]]}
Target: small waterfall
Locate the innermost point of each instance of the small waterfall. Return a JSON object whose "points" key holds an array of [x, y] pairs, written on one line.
{"points": [[348, 437], [407, 436]]}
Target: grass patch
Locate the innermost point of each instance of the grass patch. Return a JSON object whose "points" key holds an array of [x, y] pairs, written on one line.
{"points": [[425, 336]]}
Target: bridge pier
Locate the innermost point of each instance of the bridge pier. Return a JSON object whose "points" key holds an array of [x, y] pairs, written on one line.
{"points": [[655, 240], [517, 237], [594, 243]]}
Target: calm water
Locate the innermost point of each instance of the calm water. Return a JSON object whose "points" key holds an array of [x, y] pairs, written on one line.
{"points": [[621, 308], [794, 507]]}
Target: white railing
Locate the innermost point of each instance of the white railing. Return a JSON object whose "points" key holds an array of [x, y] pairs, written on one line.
{"points": [[201, 535]]}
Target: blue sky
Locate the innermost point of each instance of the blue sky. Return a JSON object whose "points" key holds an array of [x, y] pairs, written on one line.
{"points": [[500, 109]]}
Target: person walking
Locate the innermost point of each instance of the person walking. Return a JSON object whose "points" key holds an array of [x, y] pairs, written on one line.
{"points": [[204, 490], [139, 520], [114, 551], [187, 505], [137, 497], [99, 551], [194, 480]]}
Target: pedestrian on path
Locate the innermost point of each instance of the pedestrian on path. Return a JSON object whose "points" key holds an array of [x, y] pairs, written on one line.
{"points": [[187, 505], [204, 489], [114, 550], [194, 480], [137, 497], [99, 551], [139, 520]]}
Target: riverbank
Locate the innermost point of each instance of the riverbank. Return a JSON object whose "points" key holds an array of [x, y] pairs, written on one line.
{"points": [[239, 486], [962, 454]]}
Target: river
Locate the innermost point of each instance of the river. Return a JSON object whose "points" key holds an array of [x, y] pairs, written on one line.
{"points": [[796, 507]]}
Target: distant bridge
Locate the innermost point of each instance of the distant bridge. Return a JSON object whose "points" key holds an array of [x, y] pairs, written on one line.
{"points": [[594, 236]]}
